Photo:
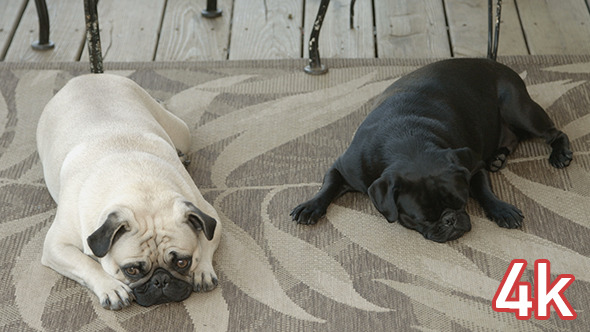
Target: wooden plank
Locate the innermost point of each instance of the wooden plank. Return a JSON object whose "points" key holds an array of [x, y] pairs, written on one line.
{"points": [[129, 29], [66, 18], [10, 13], [468, 26], [555, 27], [266, 29], [411, 29], [337, 39], [187, 35]]}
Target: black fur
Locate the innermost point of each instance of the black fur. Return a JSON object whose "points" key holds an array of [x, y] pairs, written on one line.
{"points": [[429, 143]]}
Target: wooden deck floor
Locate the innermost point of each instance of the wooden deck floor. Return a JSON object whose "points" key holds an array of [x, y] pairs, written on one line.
{"points": [[174, 30]]}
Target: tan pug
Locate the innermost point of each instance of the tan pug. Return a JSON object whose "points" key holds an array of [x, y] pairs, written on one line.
{"points": [[130, 222]]}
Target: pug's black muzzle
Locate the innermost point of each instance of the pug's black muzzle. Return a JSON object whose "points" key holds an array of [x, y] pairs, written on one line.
{"points": [[162, 288], [451, 226]]}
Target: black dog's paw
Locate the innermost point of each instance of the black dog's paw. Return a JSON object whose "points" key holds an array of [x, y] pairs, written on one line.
{"points": [[560, 157], [498, 161], [505, 215], [308, 213]]}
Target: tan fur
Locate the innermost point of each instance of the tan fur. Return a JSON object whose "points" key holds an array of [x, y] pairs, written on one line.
{"points": [[107, 146]]}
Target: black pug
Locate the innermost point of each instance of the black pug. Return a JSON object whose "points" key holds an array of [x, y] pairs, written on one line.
{"points": [[429, 143]]}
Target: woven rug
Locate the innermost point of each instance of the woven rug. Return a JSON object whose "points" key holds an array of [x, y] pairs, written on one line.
{"points": [[264, 133]]}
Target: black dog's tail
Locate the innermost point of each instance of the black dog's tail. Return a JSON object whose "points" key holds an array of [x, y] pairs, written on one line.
{"points": [[93, 36]]}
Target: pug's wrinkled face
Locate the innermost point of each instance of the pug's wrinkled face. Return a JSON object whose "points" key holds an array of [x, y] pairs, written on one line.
{"points": [[158, 269], [434, 205], [155, 254], [438, 214], [427, 196]]}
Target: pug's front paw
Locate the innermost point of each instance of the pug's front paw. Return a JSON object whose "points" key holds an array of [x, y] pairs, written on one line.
{"points": [[308, 213], [113, 294], [505, 215], [205, 279]]}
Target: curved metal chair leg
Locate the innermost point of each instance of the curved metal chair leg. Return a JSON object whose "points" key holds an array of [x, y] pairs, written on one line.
{"points": [[93, 36], [315, 66], [43, 43], [493, 38], [212, 11]]}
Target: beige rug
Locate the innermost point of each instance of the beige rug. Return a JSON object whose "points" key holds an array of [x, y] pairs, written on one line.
{"points": [[264, 133]]}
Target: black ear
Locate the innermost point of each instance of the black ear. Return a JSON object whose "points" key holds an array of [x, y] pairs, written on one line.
{"points": [[201, 221], [103, 238], [382, 192]]}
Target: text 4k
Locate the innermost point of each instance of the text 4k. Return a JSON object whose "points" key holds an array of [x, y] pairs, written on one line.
{"points": [[516, 296]]}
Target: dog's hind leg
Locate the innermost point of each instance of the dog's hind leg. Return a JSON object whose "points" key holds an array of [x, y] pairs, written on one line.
{"points": [[176, 129], [527, 119], [498, 160], [183, 158], [540, 125], [310, 212], [508, 143]]}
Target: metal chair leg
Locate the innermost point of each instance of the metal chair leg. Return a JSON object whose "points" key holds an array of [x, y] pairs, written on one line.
{"points": [[212, 11], [43, 43], [493, 39], [352, 14], [93, 36], [315, 66]]}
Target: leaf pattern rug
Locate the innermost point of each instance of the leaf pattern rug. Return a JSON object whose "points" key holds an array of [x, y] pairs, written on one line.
{"points": [[264, 133]]}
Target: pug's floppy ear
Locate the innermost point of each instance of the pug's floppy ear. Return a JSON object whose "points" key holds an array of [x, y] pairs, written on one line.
{"points": [[382, 192], [101, 241], [201, 221]]}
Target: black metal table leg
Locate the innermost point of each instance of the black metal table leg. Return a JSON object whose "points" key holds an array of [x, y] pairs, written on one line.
{"points": [[43, 43], [315, 66], [493, 38], [93, 36], [212, 11]]}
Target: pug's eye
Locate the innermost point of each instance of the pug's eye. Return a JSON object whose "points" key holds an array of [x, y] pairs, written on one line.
{"points": [[132, 271], [182, 263]]}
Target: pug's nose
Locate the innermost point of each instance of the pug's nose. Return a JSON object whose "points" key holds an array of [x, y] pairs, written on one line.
{"points": [[450, 219], [161, 279], [459, 220]]}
